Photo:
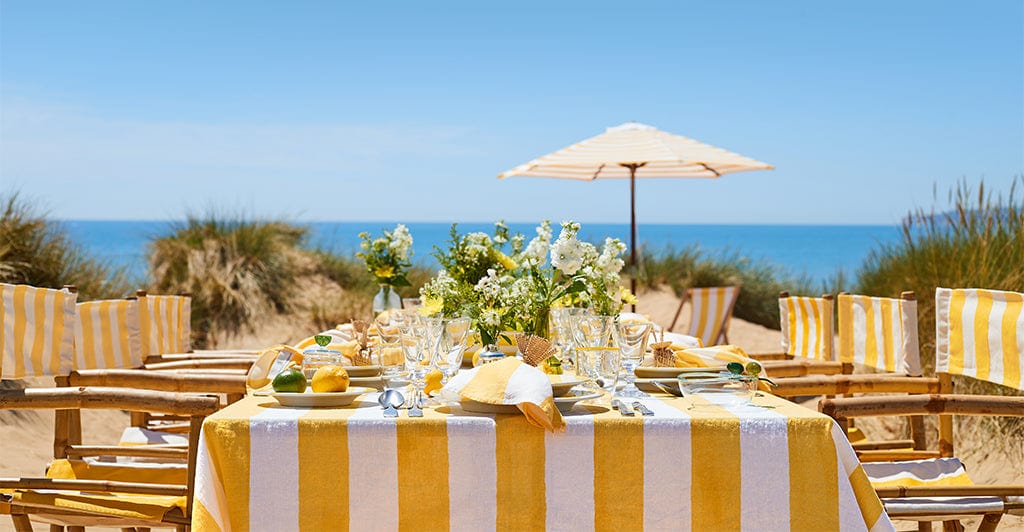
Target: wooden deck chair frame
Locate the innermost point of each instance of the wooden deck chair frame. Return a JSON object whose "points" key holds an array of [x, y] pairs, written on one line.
{"points": [[848, 384], [723, 333], [197, 407], [945, 405]]}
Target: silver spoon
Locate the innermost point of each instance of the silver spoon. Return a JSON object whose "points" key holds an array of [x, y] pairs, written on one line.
{"points": [[391, 399]]}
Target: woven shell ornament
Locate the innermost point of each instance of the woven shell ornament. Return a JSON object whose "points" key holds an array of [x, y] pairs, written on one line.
{"points": [[535, 349]]}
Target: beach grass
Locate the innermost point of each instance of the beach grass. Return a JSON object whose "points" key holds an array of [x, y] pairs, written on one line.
{"points": [[236, 269], [974, 240], [37, 250], [692, 267]]}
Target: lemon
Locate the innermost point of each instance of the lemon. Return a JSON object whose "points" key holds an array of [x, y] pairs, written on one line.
{"points": [[433, 382], [290, 380], [330, 379], [476, 359], [753, 369]]}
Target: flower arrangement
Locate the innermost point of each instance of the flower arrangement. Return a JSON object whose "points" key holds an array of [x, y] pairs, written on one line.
{"points": [[514, 291], [387, 257]]}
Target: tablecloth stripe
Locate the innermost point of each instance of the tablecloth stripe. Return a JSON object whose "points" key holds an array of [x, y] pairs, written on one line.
{"points": [[323, 468], [471, 481], [373, 470], [274, 446], [422, 472], [519, 453], [716, 469], [570, 498], [618, 474], [667, 469]]}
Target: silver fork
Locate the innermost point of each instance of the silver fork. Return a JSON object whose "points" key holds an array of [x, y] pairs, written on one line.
{"points": [[623, 408], [414, 408]]}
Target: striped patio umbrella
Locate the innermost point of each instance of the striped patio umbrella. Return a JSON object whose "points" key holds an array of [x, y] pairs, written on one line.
{"points": [[634, 150]]}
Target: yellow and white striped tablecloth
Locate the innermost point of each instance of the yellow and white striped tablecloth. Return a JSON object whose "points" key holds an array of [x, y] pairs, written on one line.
{"points": [[265, 467]]}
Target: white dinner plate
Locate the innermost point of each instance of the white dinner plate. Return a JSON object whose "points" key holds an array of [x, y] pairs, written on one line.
{"points": [[362, 371], [650, 372], [313, 399], [560, 388], [566, 402]]}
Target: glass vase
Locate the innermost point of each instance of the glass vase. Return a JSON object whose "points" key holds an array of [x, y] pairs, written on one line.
{"points": [[386, 299]]}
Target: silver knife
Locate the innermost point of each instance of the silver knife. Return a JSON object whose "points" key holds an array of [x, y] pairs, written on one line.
{"points": [[640, 407], [624, 409]]}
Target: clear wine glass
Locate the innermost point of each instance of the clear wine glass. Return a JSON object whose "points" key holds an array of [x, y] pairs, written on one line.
{"points": [[590, 334], [389, 347], [451, 346], [419, 342], [631, 335]]}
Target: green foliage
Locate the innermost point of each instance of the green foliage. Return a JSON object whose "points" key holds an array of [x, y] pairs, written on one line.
{"points": [[37, 251], [691, 267], [235, 269], [977, 242]]}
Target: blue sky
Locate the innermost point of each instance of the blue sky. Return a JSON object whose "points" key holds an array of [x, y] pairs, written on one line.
{"points": [[408, 111]]}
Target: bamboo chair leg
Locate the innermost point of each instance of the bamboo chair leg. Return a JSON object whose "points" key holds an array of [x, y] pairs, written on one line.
{"points": [[924, 526], [56, 528], [21, 523], [990, 522], [952, 526], [76, 529]]}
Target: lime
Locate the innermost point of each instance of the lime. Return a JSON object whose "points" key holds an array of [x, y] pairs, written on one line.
{"points": [[322, 340], [735, 368], [290, 380], [753, 369]]}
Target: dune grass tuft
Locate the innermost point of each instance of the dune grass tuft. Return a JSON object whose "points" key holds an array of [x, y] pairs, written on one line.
{"points": [[690, 267], [37, 251]]}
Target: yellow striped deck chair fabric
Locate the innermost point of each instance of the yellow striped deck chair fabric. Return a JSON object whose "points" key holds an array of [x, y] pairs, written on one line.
{"points": [[807, 327], [37, 337], [165, 324], [879, 332], [980, 334], [107, 335], [710, 310]]}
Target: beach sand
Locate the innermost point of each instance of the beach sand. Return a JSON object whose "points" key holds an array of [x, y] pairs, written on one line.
{"points": [[26, 436]]}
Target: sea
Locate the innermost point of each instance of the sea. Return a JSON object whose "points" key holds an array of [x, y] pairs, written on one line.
{"points": [[817, 252]]}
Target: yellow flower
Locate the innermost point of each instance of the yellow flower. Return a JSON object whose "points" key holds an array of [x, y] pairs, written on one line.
{"points": [[506, 261], [430, 306], [627, 297], [384, 271]]}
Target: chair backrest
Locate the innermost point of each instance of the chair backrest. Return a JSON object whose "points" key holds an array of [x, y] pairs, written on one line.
{"points": [[165, 324], [710, 310], [807, 326], [879, 332], [37, 337], [980, 334], [107, 335]]}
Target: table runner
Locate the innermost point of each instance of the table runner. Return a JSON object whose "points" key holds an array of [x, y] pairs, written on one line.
{"points": [[691, 466]]}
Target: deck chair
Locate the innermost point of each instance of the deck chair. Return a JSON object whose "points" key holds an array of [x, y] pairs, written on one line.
{"points": [[807, 338], [166, 331], [108, 352], [880, 335], [710, 310], [37, 339], [979, 334]]}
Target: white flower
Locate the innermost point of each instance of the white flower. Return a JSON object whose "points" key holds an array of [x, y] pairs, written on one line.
{"points": [[536, 252], [567, 254], [609, 262], [490, 318], [401, 241]]}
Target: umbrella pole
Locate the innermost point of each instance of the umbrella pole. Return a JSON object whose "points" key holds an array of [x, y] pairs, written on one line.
{"points": [[632, 231]]}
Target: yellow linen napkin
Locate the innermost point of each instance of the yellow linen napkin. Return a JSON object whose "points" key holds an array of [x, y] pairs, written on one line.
{"points": [[715, 355], [509, 382]]}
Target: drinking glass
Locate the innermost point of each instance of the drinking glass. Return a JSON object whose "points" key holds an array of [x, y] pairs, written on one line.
{"points": [[631, 335], [607, 364], [560, 329], [590, 334], [451, 346], [419, 342], [389, 346]]}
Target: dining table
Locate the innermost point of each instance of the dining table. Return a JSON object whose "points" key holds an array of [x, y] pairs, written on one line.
{"points": [[694, 464]]}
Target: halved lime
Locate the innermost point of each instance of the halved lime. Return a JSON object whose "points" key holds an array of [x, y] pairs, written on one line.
{"points": [[735, 368], [753, 369], [322, 340]]}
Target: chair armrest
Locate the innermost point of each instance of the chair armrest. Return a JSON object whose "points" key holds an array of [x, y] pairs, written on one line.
{"points": [[222, 363], [93, 485], [108, 398], [770, 356], [977, 405], [800, 368], [847, 384], [151, 380], [951, 491], [147, 451]]}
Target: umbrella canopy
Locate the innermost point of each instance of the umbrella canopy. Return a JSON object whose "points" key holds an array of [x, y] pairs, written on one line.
{"points": [[634, 150]]}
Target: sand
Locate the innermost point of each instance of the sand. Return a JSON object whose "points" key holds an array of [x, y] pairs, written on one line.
{"points": [[26, 436]]}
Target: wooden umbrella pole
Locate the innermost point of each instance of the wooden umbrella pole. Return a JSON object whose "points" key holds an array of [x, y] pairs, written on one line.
{"points": [[632, 231]]}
